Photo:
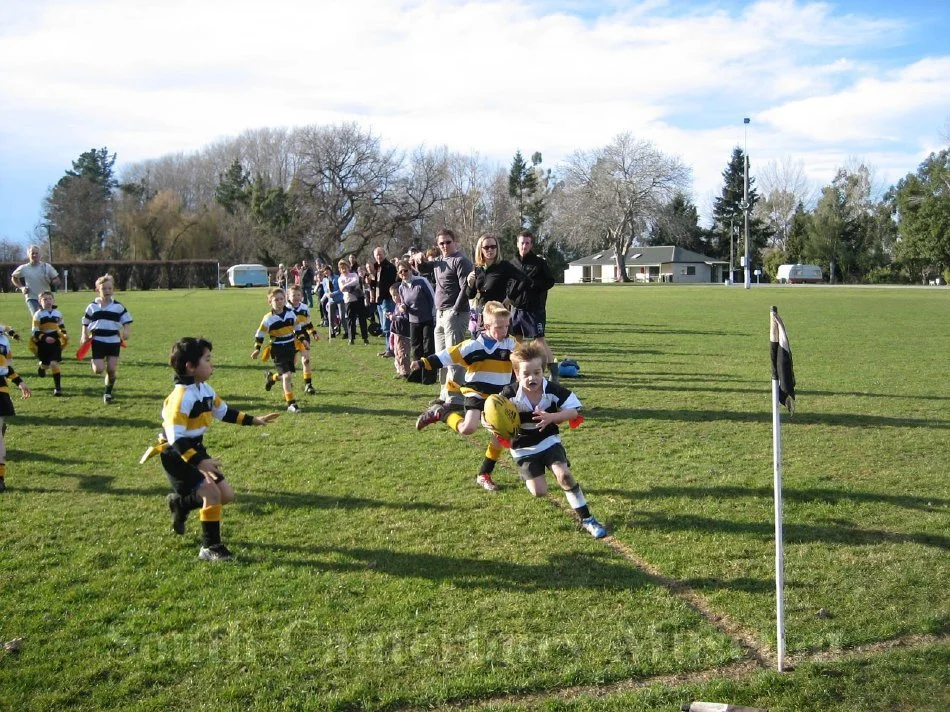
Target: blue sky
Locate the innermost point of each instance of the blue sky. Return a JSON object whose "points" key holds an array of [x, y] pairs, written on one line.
{"points": [[825, 84]]}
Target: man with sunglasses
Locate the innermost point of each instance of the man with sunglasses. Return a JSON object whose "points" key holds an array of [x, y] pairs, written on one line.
{"points": [[451, 270]]}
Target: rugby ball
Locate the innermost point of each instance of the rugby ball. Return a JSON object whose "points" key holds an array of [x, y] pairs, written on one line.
{"points": [[501, 416]]}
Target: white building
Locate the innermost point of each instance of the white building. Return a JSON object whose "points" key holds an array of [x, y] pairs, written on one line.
{"points": [[649, 264]]}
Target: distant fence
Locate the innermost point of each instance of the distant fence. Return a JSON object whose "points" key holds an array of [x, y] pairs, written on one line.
{"points": [[131, 274]]}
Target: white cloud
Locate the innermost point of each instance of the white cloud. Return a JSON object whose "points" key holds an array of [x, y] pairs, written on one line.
{"points": [[491, 76]]}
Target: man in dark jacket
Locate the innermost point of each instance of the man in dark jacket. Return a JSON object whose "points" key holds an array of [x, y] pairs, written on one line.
{"points": [[530, 300], [307, 277], [385, 278]]}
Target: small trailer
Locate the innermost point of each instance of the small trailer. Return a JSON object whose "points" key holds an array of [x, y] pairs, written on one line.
{"points": [[799, 274], [248, 276]]}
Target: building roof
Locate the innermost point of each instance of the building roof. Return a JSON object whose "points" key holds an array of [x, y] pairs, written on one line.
{"points": [[647, 256]]}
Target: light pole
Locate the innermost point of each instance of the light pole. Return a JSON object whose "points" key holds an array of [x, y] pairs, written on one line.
{"points": [[731, 237], [745, 203]]}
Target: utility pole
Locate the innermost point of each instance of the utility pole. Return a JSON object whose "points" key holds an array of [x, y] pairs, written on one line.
{"points": [[745, 204]]}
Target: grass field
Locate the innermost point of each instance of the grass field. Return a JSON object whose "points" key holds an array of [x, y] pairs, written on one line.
{"points": [[373, 574]]}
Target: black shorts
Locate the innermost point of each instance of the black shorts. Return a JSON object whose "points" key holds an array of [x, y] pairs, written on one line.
{"points": [[101, 350], [284, 356], [527, 324], [184, 477], [534, 466], [46, 353], [6, 404], [474, 403]]}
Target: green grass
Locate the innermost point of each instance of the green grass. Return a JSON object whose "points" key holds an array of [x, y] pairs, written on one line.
{"points": [[373, 574]]}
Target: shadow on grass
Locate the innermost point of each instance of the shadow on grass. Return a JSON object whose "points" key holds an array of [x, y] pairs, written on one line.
{"points": [[262, 501], [558, 327], [818, 495], [101, 484], [849, 420], [838, 533], [558, 573], [96, 419]]}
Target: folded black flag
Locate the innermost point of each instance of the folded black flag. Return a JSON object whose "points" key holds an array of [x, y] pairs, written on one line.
{"points": [[782, 370]]}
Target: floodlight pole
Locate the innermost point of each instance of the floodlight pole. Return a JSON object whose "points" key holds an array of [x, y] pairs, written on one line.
{"points": [[732, 236], [745, 204]]}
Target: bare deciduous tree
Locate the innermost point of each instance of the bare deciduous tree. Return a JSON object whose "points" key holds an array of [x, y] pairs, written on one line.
{"points": [[609, 195], [783, 186]]}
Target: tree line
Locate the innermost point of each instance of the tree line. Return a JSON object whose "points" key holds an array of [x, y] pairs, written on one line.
{"points": [[276, 195]]}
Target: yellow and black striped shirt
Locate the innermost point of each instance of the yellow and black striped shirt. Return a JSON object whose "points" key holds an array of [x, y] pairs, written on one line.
{"points": [[188, 412]]}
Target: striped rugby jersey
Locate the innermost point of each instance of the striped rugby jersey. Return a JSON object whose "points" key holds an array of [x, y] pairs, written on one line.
{"points": [[281, 328], [487, 365], [188, 411], [48, 321], [529, 440], [105, 322]]}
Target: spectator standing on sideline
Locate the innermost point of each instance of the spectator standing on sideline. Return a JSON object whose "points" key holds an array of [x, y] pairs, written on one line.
{"points": [[419, 301], [385, 278], [492, 280], [530, 301], [280, 279], [33, 278], [306, 281], [293, 275], [451, 270]]}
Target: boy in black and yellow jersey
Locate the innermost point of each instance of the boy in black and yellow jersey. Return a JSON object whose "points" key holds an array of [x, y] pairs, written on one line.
{"points": [[49, 338], [7, 373], [195, 476], [305, 332], [280, 324]]}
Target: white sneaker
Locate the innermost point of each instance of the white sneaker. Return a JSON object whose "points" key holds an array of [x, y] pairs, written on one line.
{"points": [[293, 408], [485, 480], [107, 398]]}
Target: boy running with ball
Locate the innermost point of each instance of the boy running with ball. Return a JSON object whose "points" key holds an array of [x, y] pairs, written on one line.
{"points": [[537, 445]]}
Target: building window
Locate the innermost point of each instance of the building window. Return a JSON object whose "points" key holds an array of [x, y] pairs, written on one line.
{"points": [[691, 270]]}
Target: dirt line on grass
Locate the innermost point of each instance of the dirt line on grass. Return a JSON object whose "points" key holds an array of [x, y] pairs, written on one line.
{"points": [[751, 647], [735, 671]]}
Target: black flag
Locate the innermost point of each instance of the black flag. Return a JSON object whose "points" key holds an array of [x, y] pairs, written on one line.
{"points": [[782, 370]]}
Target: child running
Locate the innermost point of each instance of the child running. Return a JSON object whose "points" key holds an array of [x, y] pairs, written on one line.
{"points": [[280, 324], [106, 322], [196, 478], [487, 370], [537, 445], [7, 374], [305, 332], [49, 338]]}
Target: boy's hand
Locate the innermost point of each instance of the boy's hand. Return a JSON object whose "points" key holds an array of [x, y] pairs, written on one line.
{"points": [[543, 418], [255, 353], [415, 365], [265, 419], [25, 391]]}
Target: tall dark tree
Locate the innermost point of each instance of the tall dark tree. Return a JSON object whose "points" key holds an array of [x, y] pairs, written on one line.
{"points": [[728, 213], [677, 223], [921, 201], [78, 210], [233, 191]]}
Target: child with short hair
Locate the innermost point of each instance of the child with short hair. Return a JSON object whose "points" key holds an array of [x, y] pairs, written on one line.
{"points": [[106, 323], [7, 373], [195, 477], [487, 370], [280, 324], [49, 338], [399, 341], [305, 332], [537, 445]]}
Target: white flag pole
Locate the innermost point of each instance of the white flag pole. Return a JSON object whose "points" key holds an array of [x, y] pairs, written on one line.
{"points": [[779, 547]]}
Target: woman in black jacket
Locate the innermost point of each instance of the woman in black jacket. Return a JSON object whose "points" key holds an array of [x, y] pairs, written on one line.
{"points": [[493, 279]]}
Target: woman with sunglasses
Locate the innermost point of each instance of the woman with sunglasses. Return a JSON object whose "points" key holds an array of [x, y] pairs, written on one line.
{"points": [[492, 280]]}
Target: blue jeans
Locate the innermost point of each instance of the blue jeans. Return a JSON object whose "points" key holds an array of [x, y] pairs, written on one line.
{"points": [[386, 305]]}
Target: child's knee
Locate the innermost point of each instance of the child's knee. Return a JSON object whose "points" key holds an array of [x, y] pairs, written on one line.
{"points": [[565, 479], [537, 486]]}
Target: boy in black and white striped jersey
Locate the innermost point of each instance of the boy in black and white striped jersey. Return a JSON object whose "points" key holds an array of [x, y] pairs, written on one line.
{"points": [[106, 323]]}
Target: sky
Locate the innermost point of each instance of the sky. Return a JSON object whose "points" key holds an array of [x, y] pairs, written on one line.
{"points": [[824, 84]]}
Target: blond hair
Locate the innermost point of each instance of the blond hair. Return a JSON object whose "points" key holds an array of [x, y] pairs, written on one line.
{"points": [[479, 259], [495, 310], [529, 351], [273, 290], [103, 279]]}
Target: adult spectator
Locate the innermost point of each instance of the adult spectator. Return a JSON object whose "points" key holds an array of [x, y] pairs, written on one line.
{"points": [[385, 277], [294, 274], [280, 279], [530, 300], [307, 277], [492, 280], [451, 270], [418, 299], [34, 278]]}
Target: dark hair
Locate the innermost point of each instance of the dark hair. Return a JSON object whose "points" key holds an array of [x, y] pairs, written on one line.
{"points": [[187, 350], [447, 231]]}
